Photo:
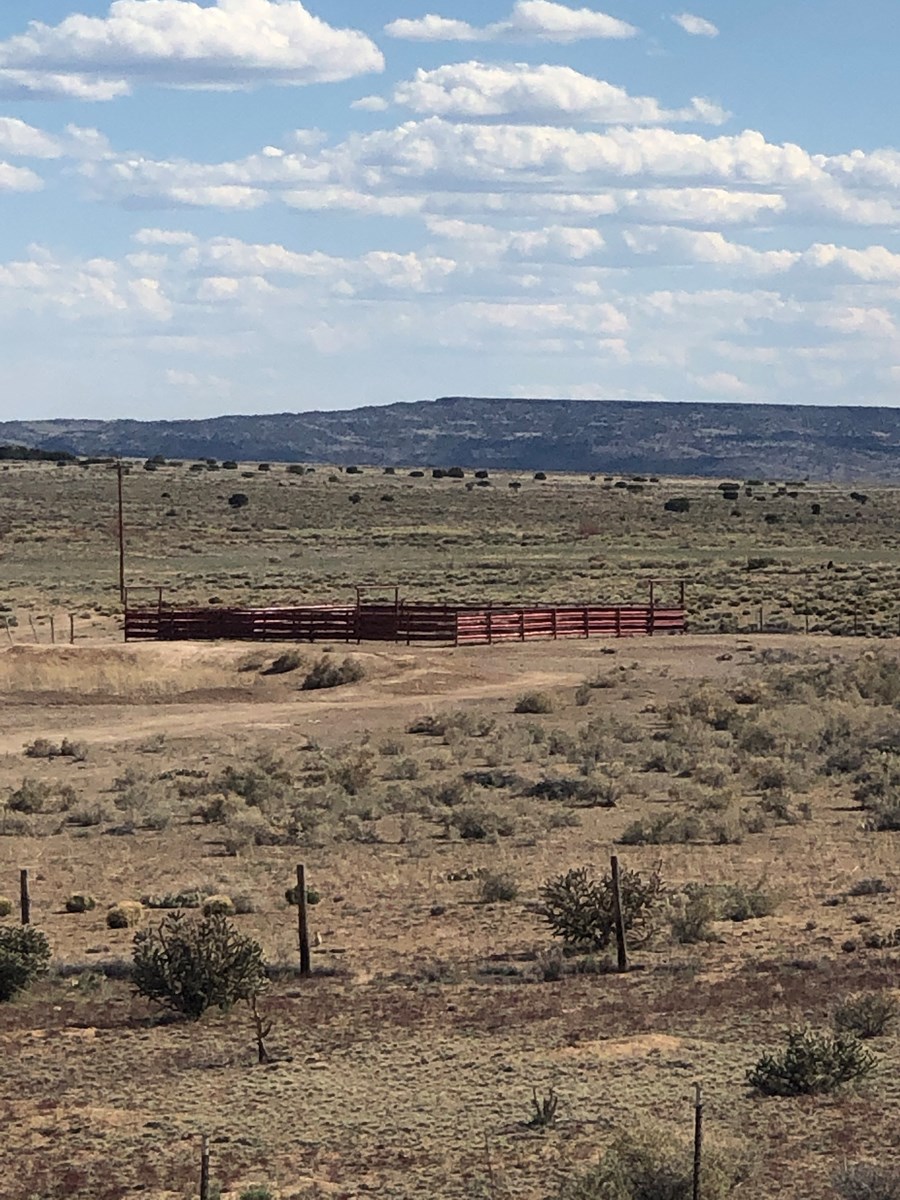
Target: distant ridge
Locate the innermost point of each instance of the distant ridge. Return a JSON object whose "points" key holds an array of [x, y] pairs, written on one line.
{"points": [[651, 437]]}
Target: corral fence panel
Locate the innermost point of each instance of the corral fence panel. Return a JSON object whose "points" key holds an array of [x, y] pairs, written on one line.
{"points": [[443, 624]]}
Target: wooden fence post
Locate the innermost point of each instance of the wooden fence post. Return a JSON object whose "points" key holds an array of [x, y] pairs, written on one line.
{"points": [[52, 630], [71, 629], [303, 921], [621, 946], [698, 1140], [24, 897], [12, 641], [204, 1168], [34, 631], [761, 622]]}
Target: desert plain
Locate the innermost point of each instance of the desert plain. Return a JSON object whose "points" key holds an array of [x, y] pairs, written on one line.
{"points": [[750, 764]]}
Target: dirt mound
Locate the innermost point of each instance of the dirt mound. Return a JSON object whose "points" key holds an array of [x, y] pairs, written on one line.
{"points": [[157, 673]]}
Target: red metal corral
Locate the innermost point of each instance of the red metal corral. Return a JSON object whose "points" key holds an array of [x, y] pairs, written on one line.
{"points": [[460, 625]]}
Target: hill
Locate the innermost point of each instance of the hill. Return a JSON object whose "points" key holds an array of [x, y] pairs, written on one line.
{"points": [[825, 443]]}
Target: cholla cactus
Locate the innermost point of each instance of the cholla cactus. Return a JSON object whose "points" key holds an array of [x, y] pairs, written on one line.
{"points": [[190, 965]]}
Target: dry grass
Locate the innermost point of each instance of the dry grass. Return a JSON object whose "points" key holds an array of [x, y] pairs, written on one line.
{"points": [[567, 539]]}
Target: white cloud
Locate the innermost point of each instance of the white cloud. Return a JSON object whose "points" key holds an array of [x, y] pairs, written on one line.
{"points": [[677, 246], [18, 179], [24, 141], [723, 384], [538, 93], [530, 20], [47, 85], [164, 237], [432, 28], [229, 45], [696, 26]]}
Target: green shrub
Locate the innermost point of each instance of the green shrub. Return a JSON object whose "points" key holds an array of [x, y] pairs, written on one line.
{"points": [[810, 1063], [739, 903], [691, 921], [186, 899], [885, 819], [80, 903], [496, 886], [664, 829], [579, 908], [480, 824], [127, 914], [257, 1192], [6, 906], [587, 793], [651, 1165], [327, 673], [867, 1181], [869, 887], [218, 905], [31, 797], [868, 1015], [190, 965], [289, 661], [24, 957], [534, 702]]}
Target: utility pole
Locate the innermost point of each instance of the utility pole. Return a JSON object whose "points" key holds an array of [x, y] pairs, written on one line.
{"points": [[121, 533]]}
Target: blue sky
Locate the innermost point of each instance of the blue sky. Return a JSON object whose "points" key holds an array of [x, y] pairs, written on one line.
{"points": [[265, 205]]}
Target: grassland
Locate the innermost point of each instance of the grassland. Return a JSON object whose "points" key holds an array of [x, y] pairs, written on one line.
{"points": [[568, 538], [747, 765]]}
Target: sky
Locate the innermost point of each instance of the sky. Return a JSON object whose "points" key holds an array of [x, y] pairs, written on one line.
{"points": [[251, 206]]}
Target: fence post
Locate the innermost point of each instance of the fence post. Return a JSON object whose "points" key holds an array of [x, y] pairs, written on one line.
{"points": [[621, 947], [204, 1168], [698, 1140], [71, 629], [34, 632], [24, 897], [761, 622], [303, 921], [52, 630], [12, 642]]}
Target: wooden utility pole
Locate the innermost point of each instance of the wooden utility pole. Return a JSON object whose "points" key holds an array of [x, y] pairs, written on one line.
{"points": [[121, 533], [698, 1140], [303, 921], [621, 946], [204, 1168], [24, 897]]}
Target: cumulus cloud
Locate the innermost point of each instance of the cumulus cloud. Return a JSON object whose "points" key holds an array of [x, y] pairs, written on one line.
{"points": [[24, 141], [230, 45], [18, 179], [538, 93], [696, 26], [530, 20]]}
